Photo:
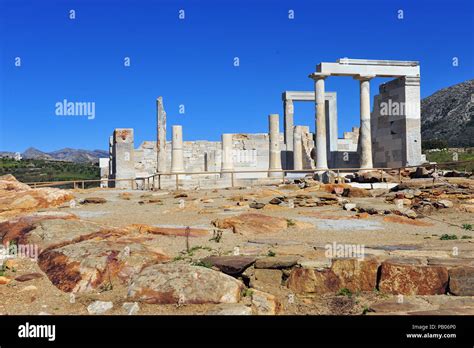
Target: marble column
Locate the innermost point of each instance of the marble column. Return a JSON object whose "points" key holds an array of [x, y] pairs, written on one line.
{"points": [[288, 124], [227, 157], [160, 136], [365, 137], [177, 158], [321, 141], [274, 145], [297, 148]]}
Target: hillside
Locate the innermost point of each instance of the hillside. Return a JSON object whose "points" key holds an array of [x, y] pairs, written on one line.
{"points": [[448, 115], [66, 154]]}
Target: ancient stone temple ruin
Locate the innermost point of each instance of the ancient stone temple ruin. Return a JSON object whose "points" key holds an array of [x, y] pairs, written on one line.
{"points": [[388, 136]]}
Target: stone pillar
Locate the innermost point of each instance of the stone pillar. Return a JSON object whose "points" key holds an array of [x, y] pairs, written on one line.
{"points": [[177, 158], [274, 145], [321, 141], [123, 151], [227, 165], [365, 137], [288, 125], [111, 159], [160, 136], [297, 148]]}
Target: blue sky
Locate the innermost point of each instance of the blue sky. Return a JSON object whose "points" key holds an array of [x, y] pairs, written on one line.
{"points": [[190, 62]]}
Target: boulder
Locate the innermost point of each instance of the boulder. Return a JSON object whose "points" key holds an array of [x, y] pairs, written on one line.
{"points": [[232, 265], [9, 183], [412, 279], [326, 177], [266, 279], [307, 280], [256, 205], [275, 200], [251, 224], [230, 309], [174, 283], [444, 203], [99, 307], [29, 276], [277, 262], [461, 281], [95, 260], [93, 200], [356, 275], [16, 197], [371, 176], [265, 304], [44, 229], [350, 206]]}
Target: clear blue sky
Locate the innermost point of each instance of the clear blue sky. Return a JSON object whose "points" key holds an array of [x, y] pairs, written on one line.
{"points": [[190, 61]]}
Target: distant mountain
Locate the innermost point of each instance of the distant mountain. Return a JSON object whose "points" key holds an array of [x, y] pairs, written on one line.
{"points": [[67, 154], [76, 155], [448, 115], [32, 153]]}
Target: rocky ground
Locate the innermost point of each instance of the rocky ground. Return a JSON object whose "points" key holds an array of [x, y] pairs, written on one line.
{"points": [[298, 248]]}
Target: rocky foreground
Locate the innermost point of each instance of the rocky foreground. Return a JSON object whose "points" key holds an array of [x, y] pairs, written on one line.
{"points": [[298, 248]]}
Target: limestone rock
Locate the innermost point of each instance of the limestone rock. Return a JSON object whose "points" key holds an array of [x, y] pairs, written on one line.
{"points": [[44, 229], [174, 283], [99, 307], [276, 262], [318, 264], [131, 308], [307, 280], [266, 279], [230, 309], [275, 200], [326, 177], [461, 281], [93, 260], [16, 197], [232, 265], [371, 176], [256, 205], [350, 206], [251, 224], [265, 304], [29, 276], [93, 200], [412, 279], [9, 183], [356, 275], [444, 203]]}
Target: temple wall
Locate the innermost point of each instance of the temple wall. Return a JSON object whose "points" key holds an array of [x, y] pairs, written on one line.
{"points": [[395, 124]]}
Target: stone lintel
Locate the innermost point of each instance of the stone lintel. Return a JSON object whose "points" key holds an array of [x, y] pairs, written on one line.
{"points": [[305, 95], [370, 67], [350, 61]]}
